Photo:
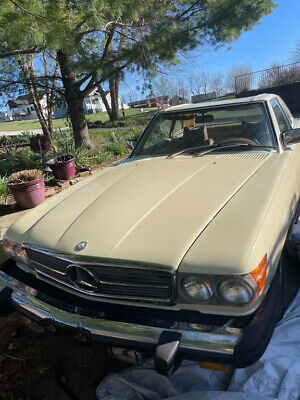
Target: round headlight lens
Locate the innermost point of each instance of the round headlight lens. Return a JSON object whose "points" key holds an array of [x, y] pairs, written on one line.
{"points": [[196, 289], [236, 291]]}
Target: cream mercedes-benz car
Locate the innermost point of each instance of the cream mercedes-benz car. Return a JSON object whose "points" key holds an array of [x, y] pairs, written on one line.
{"points": [[178, 250]]}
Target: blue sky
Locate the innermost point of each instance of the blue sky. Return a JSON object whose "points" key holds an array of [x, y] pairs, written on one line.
{"points": [[272, 40]]}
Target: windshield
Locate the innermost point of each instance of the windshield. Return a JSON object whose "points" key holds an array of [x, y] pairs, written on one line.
{"points": [[175, 132]]}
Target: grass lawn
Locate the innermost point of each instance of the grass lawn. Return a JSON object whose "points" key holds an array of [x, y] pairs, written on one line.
{"points": [[58, 123]]}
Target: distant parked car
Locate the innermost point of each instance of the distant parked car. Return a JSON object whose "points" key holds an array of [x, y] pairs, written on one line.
{"points": [[176, 250]]}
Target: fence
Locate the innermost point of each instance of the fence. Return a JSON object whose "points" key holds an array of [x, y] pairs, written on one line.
{"points": [[275, 76]]}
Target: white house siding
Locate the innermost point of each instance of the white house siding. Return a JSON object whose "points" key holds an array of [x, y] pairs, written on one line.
{"points": [[93, 103], [26, 111]]}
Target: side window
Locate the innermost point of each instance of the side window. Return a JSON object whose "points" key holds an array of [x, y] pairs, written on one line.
{"points": [[282, 122]]}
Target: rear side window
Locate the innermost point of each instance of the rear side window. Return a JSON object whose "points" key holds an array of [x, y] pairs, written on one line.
{"points": [[281, 119]]}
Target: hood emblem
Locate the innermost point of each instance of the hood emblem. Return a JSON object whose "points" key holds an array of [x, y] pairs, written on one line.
{"points": [[80, 246], [82, 278]]}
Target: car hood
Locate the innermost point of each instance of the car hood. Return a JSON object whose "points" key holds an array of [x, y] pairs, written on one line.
{"points": [[147, 210]]}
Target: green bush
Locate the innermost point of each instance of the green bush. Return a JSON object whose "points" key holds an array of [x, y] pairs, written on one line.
{"points": [[63, 142], [116, 148], [26, 158], [4, 190]]}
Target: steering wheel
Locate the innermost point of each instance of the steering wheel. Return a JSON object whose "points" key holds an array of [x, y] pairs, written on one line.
{"points": [[238, 139]]}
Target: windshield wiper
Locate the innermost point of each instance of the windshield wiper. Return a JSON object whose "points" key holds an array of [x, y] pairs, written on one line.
{"points": [[192, 149]]}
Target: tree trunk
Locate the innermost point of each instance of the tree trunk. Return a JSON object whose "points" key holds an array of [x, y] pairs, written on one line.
{"points": [[74, 101], [114, 95], [28, 74], [52, 101], [105, 102]]}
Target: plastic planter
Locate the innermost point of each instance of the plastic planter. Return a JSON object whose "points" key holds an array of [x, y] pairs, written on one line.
{"points": [[39, 143], [28, 194], [63, 167]]}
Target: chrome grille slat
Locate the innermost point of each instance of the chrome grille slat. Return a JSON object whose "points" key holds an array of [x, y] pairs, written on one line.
{"points": [[123, 282]]}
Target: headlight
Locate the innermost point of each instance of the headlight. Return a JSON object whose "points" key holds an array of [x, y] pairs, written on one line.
{"points": [[196, 289], [236, 291], [15, 251]]}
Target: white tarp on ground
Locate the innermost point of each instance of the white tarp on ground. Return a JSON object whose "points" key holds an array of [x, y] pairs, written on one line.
{"points": [[275, 376]]}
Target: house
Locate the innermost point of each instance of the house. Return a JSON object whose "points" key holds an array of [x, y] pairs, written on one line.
{"points": [[160, 101], [92, 103], [176, 100], [22, 108], [198, 98], [4, 116]]}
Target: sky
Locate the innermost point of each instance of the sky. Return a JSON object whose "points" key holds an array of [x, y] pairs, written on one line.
{"points": [[273, 40]]}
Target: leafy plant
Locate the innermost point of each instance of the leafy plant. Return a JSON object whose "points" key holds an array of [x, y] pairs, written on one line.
{"points": [[26, 158], [4, 190], [63, 142], [116, 148]]}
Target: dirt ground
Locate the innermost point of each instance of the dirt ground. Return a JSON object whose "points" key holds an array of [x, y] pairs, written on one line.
{"points": [[49, 366]]}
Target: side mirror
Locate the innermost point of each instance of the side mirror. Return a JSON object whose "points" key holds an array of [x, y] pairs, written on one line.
{"points": [[132, 144], [292, 136]]}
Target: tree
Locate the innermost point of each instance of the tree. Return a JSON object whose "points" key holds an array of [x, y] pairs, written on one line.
{"points": [[217, 84], [21, 76], [296, 52], [31, 83], [239, 78], [279, 75], [96, 41]]}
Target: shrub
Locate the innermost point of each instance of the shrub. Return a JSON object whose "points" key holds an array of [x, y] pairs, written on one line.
{"points": [[4, 190], [25, 176], [26, 158], [116, 148], [63, 142]]}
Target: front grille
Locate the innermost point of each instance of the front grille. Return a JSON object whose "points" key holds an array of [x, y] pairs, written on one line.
{"points": [[123, 282]]}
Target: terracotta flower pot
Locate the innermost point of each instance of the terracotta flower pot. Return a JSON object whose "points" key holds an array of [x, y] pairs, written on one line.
{"points": [[38, 143], [62, 167], [28, 194]]}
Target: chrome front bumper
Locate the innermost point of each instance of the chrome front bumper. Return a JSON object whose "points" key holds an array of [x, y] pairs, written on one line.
{"points": [[219, 341]]}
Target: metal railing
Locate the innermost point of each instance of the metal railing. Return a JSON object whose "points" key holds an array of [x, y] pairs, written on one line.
{"points": [[275, 76]]}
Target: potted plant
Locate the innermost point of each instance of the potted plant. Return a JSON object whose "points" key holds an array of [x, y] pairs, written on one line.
{"points": [[63, 167], [27, 187], [39, 144]]}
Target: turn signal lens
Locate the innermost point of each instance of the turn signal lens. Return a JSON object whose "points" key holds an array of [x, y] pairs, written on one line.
{"points": [[21, 255], [8, 248], [15, 251], [259, 274]]}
